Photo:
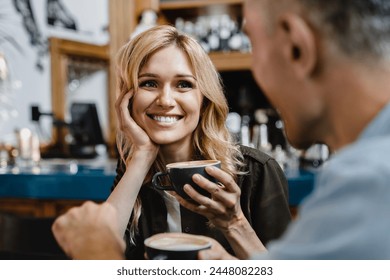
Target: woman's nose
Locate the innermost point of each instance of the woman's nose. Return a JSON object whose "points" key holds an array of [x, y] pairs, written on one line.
{"points": [[165, 98]]}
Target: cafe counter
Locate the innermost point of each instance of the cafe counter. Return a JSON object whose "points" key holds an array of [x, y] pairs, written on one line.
{"points": [[54, 187]]}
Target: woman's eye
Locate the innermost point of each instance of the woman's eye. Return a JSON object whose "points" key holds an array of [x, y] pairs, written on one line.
{"points": [[148, 84], [184, 84]]}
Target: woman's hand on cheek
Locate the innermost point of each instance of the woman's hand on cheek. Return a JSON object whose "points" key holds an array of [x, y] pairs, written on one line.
{"points": [[131, 130]]}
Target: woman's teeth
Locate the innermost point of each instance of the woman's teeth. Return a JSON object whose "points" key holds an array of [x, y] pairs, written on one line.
{"points": [[166, 119]]}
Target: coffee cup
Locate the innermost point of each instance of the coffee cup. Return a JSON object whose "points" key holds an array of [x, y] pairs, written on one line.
{"points": [[180, 173], [175, 246]]}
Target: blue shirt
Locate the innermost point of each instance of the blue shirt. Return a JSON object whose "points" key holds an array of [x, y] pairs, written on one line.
{"points": [[347, 216]]}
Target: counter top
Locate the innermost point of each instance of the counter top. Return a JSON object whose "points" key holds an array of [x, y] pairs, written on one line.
{"points": [[93, 182], [300, 185], [56, 186], [59, 179]]}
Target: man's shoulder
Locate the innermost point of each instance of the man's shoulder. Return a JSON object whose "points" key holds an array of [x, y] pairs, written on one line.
{"points": [[368, 154], [362, 166]]}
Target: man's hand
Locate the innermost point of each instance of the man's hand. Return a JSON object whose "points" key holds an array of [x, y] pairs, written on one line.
{"points": [[216, 252], [90, 232]]}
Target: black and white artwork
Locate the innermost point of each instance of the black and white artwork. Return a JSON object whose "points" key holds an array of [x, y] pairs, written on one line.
{"points": [[57, 15]]}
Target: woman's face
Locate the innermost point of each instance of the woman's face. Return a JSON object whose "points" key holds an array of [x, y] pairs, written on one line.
{"points": [[168, 102]]}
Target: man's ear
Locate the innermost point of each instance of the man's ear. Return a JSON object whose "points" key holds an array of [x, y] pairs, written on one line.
{"points": [[300, 47]]}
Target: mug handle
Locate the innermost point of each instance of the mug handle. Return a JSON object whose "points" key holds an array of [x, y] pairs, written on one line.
{"points": [[156, 182]]}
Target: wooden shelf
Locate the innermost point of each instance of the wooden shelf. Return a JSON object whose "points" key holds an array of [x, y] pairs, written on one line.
{"points": [[173, 5], [74, 48], [231, 61]]}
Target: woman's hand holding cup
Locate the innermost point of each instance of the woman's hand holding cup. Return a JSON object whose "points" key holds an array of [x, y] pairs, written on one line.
{"points": [[223, 207], [181, 174]]}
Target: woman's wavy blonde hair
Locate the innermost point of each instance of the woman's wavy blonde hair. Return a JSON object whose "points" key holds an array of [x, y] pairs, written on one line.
{"points": [[211, 139]]}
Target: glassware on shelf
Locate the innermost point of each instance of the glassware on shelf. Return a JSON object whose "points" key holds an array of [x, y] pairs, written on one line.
{"points": [[29, 154], [260, 135], [315, 156], [215, 33], [245, 131], [233, 124], [148, 20], [292, 161]]}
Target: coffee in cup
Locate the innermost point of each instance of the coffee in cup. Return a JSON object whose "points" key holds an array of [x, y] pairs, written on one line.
{"points": [[180, 173], [175, 246]]}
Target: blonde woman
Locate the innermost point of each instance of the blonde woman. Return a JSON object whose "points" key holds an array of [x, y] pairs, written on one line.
{"points": [[171, 108]]}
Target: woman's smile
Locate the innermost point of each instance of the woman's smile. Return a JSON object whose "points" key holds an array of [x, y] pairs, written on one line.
{"points": [[167, 119]]}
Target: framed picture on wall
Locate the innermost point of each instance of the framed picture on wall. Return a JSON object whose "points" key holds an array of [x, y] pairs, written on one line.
{"points": [[85, 21]]}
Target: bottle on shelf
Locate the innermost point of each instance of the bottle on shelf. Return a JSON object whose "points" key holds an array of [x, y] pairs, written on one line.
{"points": [[148, 20], [245, 131], [292, 161], [233, 124], [280, 156], [260, 135]]}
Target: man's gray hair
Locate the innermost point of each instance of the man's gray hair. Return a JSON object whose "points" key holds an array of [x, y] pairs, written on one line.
{"points": [[358, 27]]}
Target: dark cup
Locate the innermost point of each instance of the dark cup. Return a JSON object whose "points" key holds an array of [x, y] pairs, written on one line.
{"points": [[175, 246], [180, 173]]}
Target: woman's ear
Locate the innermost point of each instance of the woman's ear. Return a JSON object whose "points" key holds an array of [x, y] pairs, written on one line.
{"points": [[300, 48]]}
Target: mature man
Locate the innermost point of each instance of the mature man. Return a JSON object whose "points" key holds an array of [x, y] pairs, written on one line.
{"points": [[325, 66]]}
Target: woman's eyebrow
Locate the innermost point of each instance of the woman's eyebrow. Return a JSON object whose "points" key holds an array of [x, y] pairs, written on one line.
{"points": [[156, 76], [147, 75], [186, 76]]}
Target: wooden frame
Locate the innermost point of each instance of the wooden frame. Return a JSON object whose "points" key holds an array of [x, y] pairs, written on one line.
{"points": [[61, 51]]}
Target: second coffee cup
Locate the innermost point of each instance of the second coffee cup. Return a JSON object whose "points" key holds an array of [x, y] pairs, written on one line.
{"points": [[180, 173], [175, 246]]}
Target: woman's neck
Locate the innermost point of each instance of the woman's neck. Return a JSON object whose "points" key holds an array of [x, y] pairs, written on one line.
{"points": [[176, 153]]}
